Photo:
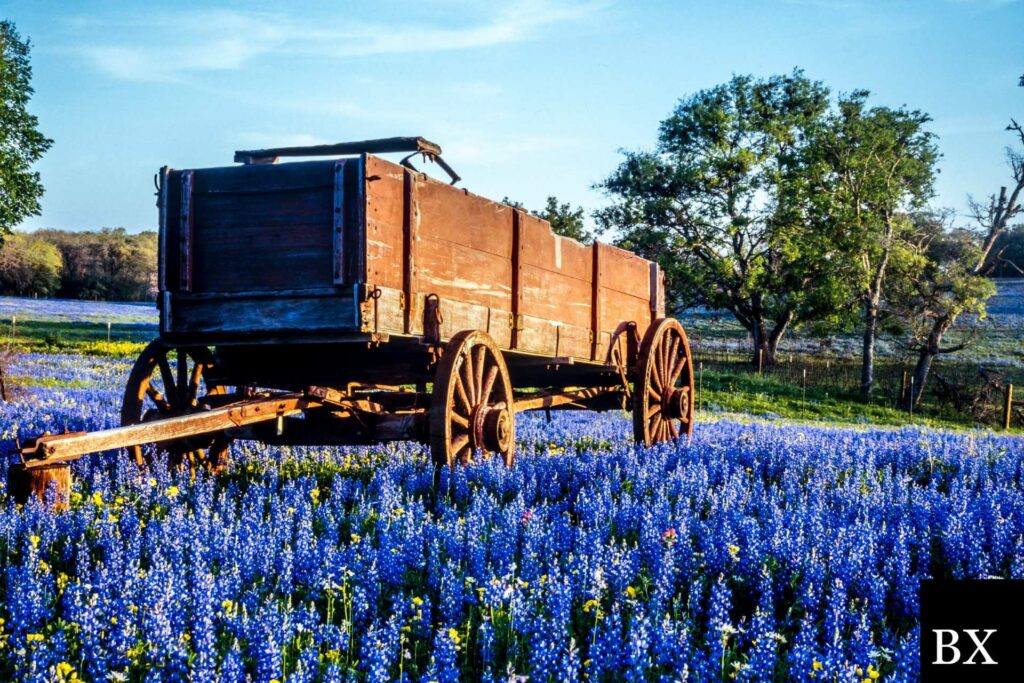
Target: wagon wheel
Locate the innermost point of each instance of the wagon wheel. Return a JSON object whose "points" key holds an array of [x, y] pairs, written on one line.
{"points": [[167, 382], [663, 392], [471, 408]]}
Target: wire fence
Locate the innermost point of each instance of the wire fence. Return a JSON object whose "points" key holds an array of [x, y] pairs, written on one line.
{"points": [[967, 388]]}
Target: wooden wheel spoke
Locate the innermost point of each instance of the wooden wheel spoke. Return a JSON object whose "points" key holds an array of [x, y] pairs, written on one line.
{"points": [[492, 376], [653, 410], [672, 431], [467, 378], [655, 425], [460, 392], [193, 384], [182, 378], [478, 378], [677, 368], [170, 390], [667, 368], [460, 421], [459, 442], [653, 393], [157, 398]]}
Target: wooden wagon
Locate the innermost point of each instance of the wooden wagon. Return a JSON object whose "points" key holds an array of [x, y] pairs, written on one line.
{"points": [[355, 300]]}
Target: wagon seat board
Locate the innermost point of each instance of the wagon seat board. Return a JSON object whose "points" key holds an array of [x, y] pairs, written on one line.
{"points": [[332, 247]]}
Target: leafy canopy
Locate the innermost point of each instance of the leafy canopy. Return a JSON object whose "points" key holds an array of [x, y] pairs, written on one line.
{"points": [[723, 202], [21, 143]]}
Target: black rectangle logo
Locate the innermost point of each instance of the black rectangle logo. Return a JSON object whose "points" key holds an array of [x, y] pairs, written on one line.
{"points": [[972, 630]]}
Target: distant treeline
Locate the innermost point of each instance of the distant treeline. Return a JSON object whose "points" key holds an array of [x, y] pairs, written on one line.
{"points": [[104, 265]]}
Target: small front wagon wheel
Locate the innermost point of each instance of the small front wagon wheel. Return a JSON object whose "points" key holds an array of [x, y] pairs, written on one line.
{"points": [[171, 382], [663, 392], [472, 408]]}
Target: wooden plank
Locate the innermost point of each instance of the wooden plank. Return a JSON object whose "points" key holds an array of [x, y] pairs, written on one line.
{"points": [[625, 272], [357, 264], [463, 274], [385, 223], [242, 181], [269, 313], [655, 292], [56, 448], [410, 222], [162, 237], [595, 301], [186, 232], [338, 262], [463, 219], [517, 278]]}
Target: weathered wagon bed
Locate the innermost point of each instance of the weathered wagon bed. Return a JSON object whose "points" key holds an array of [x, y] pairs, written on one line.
{"points": [[355, 300]]}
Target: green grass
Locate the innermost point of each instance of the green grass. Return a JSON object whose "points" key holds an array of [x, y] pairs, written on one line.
{"points": [[85, 338], [753, 394]]}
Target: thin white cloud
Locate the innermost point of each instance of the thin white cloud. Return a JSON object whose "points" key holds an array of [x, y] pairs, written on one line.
{"points": [[170, 46]]}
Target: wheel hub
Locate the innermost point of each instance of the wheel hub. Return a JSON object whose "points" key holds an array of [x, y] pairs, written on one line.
{"points": [[492, 428], [676, 404]]}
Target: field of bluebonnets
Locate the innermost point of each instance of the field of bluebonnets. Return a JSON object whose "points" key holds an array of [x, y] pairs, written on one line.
{"points": [[758, 551]]}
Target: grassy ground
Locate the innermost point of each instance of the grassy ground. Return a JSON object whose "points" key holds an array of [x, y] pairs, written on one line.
{"points": [[751, 394]]}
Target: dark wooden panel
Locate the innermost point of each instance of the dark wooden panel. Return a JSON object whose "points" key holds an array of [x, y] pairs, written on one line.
{"points": [[272, 313], [266, 179], [265, 240]]}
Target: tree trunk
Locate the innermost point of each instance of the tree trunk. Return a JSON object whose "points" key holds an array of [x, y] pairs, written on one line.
{"points": [[924, 365], [867, 370], [929, 350], [766, 342]]}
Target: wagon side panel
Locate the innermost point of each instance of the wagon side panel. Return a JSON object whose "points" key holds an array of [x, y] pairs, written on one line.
{"points": [[386, 249], [554, 290], [460, 251], [624, 295]]}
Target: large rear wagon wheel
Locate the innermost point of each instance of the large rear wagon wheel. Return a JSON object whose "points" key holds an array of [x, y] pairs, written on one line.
{"points": [[170, 382], [663, 391], [472, 409]]}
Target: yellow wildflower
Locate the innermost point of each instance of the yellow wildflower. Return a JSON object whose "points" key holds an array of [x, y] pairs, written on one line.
{"points": [[630, 592], [35, 638], [817, 666], [172, 491], [34, 540], [97, 498], [734, 552]]}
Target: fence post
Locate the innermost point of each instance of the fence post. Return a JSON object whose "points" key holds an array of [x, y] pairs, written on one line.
{"points": [[903, 386], [1008, 407], [760, 361], [910, 400], [700, 388], [804, 389]]}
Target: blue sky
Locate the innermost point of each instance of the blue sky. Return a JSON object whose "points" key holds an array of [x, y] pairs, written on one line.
{"points": [[527, 98]]}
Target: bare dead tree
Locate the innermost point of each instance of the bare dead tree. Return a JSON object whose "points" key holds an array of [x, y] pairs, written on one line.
{"points": [[941, 300]]}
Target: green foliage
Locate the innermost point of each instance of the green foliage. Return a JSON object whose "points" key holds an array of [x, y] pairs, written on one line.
{"points": [[724, 204], [108, 264], [565, 220], [21, 143], [29, 266]]}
